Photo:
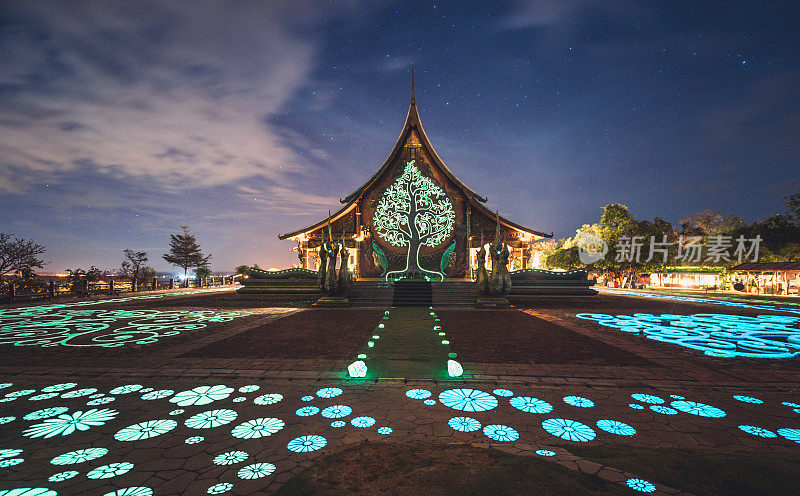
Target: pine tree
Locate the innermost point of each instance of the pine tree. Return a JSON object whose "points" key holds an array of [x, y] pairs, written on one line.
{"points": [[184, 251]]}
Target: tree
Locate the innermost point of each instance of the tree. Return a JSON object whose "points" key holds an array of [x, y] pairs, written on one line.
{"points": [[184, 251], [709, 222], [132, 265], [79, 278], [202, 272], [414, 212], [19, 254], [244, 270], [564, 258]]}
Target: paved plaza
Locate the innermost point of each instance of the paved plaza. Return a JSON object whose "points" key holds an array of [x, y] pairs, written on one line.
{"points": [[203, 393]]}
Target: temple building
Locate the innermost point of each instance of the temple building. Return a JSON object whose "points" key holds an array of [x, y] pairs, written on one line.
{"points": [[414, 218]]}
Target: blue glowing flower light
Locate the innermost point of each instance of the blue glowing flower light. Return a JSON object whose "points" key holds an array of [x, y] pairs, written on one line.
{"points": [[304, 444], [336, 411], [110, 470], [194, 440], [62, 476], [699, 409], [43, 396], [46, 413], [418, 394], [28, 491], [647, 398], [210, 419], [126, 389], [641, 485], [249, 388], [222, 487], [268, 399], [747, 399], [307, 411], [256, 471], [757, 431], [157, 395], [231, 458], [664, 410], [570, 430], [329, 392], [256, 428], [544, 452], [464, 424], [468, 400], [59, 387], [530, 405], [145, 430], [790, 434], [578, 401], [131, 491], [616, 427], [363, 422], [201, 395], [385, 431], [502, 433], [336, 424], [429, 402], [77, 393], [79, 456], [65, 424], [9, 452], [505, 393]]}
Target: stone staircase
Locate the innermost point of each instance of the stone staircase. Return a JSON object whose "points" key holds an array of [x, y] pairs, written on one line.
{"points": [[410, 293], [379, 293]]}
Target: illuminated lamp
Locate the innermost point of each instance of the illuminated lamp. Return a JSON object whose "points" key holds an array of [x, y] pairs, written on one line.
{"points": [[357, 369], [454, 369]]}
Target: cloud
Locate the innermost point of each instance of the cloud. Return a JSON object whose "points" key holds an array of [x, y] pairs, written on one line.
{"points": [[152, 90]]}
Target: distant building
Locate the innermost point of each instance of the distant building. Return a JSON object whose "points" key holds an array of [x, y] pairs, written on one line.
{"points": [[414, 217], [686, 277], [780, 278]]}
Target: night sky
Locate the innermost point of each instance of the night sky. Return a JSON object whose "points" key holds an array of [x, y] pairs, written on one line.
{"points": [[120, 121]]}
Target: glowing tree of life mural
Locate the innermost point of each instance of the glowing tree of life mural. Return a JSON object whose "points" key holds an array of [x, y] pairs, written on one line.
{"points": [[414, 212]]}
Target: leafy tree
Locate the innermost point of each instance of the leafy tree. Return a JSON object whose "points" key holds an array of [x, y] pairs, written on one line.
{"points": [[413, 212], [19, 254], [243, 269], [184, 251], [564, 258], [79, 278], [132, 265], [202, 272], [709, 222], [148, 274]]}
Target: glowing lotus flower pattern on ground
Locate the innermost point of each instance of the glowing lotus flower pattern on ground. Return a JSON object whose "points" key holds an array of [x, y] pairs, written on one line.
{"points": [[59, 387], [194, 440], [307, 411], [28, 491], [9, 452], [641, 485], [268, 399], [79, 392], [249, 388], [65, 424], [616, 427], [337, 424], [43, 396], [664, 410], [578, 401], [544, 452], [699, 409], [201, 395], [530, 405], [468, 400], [747, 399], [62, 476], [757, 431], [131, 491], [157, 395], [385, 431], [329, 392], [362, 422], [127, 389], [569, 430], [222, 487], [79, 456], [46, 413], [256, 471], [110, 470], [647, 398], [304, 444], [336, 411], [418, 394], [10, 462], [210, 419], [502, 433], [145, 430], [790, 434], [464, 424], [719, 335], [101, 401], [231, 458], [256, 428], [505, 393]]}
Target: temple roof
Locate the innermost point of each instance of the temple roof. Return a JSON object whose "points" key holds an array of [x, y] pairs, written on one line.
{"points": [[413, 122]]}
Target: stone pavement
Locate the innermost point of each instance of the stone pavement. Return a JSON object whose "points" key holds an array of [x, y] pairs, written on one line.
{"points": [[162, 416]]}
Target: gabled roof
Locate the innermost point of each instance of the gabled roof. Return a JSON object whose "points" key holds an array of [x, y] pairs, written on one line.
{"points": [[413, 122], [767, 266]]}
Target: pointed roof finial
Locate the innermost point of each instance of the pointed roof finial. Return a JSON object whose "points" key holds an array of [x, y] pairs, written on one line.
{"points": [[413, 99]]}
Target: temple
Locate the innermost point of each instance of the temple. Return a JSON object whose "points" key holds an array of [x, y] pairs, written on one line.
{"points": [[414, 218]]}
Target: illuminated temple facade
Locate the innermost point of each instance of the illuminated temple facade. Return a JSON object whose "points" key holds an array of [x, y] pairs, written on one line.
{"points": [[414, 216]]}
